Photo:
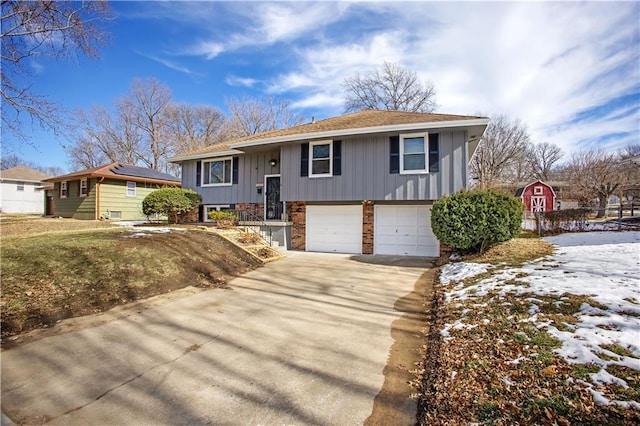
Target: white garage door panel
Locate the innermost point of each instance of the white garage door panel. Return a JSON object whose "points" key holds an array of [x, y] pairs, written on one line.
{"points": [[404, 230], [334, 229]]}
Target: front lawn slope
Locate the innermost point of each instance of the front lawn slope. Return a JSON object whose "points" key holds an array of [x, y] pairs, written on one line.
{"points": [[547, 341], [49, 277]]}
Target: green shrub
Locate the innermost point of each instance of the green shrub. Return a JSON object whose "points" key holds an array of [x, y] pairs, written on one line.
{"points": [[175, 203], [473, 221], [215, 215]]}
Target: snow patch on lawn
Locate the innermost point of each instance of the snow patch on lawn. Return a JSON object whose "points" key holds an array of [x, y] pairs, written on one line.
{"points": [[148, 230], [605, 266]]}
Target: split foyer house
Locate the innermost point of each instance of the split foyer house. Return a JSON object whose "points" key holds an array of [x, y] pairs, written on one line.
{"points": [[359, 183], [22, 190], [114, 191]]}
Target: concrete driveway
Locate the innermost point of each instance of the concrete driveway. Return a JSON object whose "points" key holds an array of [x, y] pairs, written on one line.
{"points": [[303, 340]]}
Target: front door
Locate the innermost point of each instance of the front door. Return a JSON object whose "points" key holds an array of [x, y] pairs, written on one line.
{"points": [[49, 206], [272, 204]]}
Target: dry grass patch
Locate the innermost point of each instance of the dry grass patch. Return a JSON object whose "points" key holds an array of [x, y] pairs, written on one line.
{"points": [[514, 252], [25, 226], [48, 277], [489, 363]]}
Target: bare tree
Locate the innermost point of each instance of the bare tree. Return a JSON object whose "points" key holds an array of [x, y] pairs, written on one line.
{"points": [[102, 137], [596, 174], [250, 115], [503, 144], [194, 127], [136, 133], [391, 88], [542, 158], [32, 29], [149, 100]]}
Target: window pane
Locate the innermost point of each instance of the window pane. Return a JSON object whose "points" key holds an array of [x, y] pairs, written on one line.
{"points": [[216, 172], [319, 167], [321, 151], [414, 162], [413, 145]]}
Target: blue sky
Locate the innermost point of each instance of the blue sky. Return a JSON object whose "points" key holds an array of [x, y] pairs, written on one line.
{"points": [[570, 71]]}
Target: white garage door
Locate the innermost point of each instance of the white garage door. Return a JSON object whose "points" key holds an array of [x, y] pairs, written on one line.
{"points": [[404, 230], [334, 229]]}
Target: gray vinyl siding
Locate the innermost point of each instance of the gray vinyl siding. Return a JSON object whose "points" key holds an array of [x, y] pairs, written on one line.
{"points": [[252, 168], [365, 173]]}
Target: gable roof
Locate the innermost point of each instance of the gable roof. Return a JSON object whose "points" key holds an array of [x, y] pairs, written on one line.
{"points": [[23, 174], [520, 191], [362, 122], [120, 171]]}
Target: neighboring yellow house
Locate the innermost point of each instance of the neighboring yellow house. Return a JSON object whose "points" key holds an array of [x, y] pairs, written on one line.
{"points": [[114, 191]]}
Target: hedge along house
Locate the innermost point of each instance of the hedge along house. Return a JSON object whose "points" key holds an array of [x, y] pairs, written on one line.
{"points": [[114, 191], [357, 183]]}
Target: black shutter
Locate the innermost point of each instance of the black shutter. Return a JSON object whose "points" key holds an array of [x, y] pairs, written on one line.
{"points": [[201, 217], [234, 173], [394, 154], [337, 158], [304, 159], [198, 172], [434, 152]]}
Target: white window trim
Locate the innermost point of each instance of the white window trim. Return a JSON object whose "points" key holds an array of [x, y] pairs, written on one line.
{"points": [[538, 190], [311, 145], [86, 182], [217, 207], [426, 153], [65, 185], [134, 188], [215, 160]]}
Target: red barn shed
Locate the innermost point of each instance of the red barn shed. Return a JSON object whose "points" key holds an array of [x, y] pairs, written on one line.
{"points": [[537, 197]]}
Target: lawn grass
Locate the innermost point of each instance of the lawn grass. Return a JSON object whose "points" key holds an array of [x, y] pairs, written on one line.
{"points": [[498, 368], [50, 276]]}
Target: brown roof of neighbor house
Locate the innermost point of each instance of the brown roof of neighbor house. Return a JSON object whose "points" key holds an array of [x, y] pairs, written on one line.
{"points": [[120, 171], [356, 120], [23, 174]]}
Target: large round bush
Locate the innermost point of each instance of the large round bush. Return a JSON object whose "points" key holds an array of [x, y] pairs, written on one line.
{"points": [[172, 202], [475, 220]]}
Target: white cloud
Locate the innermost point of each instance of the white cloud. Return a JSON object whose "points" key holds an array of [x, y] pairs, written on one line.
{"points": [[541, 62], [168, 63], [233, 80], [267, 23], [208, 49]]}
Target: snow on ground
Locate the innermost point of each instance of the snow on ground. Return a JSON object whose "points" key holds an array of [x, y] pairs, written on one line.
{"points": [[141, 231], [602, 265]]}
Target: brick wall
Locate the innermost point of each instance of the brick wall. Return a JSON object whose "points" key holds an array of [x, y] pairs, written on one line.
{"points": [[367, 227], [298, 213], [256, 209]]}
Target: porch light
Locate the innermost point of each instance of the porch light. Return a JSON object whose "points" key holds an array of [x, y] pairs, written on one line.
{"points": [[273, 162]]}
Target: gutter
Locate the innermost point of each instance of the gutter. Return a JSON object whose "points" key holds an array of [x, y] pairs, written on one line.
{"points": [[227, 153], [98, 197]]}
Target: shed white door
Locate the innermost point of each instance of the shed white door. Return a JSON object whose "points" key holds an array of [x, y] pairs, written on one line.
{"points": [[404, 230], [334, 229]]}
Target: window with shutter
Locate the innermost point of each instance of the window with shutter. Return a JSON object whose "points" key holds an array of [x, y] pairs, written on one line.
{"points": [[217, 172]]}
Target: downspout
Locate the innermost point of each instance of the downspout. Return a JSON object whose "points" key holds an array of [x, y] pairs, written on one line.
{"points": [[98, 197]]}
